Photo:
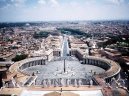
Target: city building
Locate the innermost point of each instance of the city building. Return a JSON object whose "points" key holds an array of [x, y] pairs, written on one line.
{"points": [[63, 62]]}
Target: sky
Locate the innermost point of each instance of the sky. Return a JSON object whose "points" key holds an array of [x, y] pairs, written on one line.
{"points": [[63, 10]]}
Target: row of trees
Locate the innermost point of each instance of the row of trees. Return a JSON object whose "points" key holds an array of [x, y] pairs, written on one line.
{"points": [[74, 32], [40, 34], [19, 57]]}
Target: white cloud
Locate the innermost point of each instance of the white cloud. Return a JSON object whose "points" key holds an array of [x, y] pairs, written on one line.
{"points": [[48, 2], [116, 1], [17, 3], [55, 2], [42, 2], [72, 10]]}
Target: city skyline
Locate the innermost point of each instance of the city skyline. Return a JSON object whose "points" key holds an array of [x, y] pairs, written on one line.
{"points": [[63, 10], [67, 58]]}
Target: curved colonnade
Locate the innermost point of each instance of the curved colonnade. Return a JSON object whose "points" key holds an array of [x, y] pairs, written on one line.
{"points": [[111, 67], [19, 66]]}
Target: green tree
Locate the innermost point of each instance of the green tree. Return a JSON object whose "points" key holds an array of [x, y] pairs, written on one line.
{"points": [[19, 57]]}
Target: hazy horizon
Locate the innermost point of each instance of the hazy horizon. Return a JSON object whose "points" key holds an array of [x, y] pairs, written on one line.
{"points": [[61, 21], [63, 10]]}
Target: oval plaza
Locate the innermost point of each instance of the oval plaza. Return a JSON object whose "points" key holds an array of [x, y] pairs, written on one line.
{"points": [[72, 70], [68, 71]]}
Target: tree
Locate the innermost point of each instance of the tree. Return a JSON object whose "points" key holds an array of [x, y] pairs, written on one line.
{"points": [[2, 59], [19, 57]]}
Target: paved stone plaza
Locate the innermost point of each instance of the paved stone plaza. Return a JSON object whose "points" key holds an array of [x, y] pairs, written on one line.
{"points": [[53, 71]]}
